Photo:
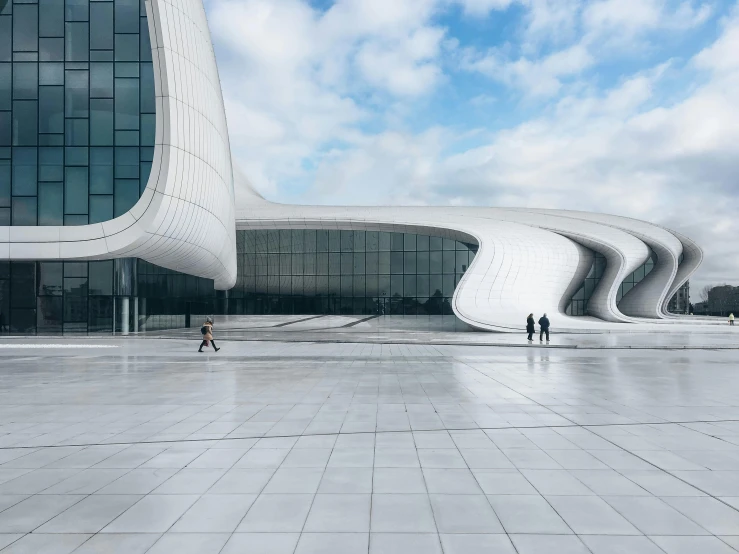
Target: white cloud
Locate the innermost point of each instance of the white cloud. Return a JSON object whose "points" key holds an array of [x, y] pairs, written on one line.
{"points": [[542, 77]]}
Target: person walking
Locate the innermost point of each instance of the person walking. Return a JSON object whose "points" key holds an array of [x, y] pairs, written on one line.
{"points": [[731, 318], [544, 325], [530, 329], [207, 331]]}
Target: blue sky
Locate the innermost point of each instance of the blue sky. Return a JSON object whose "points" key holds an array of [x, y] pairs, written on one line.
{"points": [[619, 106]]}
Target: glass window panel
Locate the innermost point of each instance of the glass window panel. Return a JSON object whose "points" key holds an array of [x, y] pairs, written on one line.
{"points": [[359, 266], [25, 123], [127, 16], [372, 285], [384, 241], [396, 262], [450, 261], [25, 161], [25, 28], [372, 239], [101, 29], [101, 208], [462, 260], [297, 264], [435, 262], [50, 278], [77, 93], [101, 278], [347, 259], [126, 195], [101, 80], [409, 242], [422, 242], [5, 135], [126, 163], [359, 285], [126, 48], [4, 183], [51, 204], [5, 87], [347, 241], [383, 285], [24, 210], [322, 263], [396, 285], [77, 10], [25, 81], [77, 42], [101, 122], [75, 269], [409, 263], [51, 110], [422, 262], [127, 104], [435, 285], [49, 315], [75, 190], [384, 263], [373, 263], [51, 18], [334, 264], [76, 155], [436, 243], [101, 171], [321, 241], [409, 285], [450, 244], [6, 35], [396, 242], [448, 285], [51, 74], [148, 129], [51, 164], [334, 241], [77, 132], [359, 241], [51, 50]]}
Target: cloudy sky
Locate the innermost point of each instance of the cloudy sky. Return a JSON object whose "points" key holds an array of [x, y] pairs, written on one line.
{"points": [[623, 106]]}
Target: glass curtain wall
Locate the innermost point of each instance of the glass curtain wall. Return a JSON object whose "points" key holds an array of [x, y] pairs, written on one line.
{"points": [[49, 298], [77, 110], [347, 272], [579, 304]]}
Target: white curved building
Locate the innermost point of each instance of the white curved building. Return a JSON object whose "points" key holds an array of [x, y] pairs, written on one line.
{"points": [[166, 199]]}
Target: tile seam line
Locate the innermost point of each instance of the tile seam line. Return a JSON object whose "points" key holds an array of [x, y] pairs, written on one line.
{"points": [[624, 450], [449, 429]]}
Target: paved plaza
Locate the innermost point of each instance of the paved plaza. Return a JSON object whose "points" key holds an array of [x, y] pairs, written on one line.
{"points": [[141, 445]]}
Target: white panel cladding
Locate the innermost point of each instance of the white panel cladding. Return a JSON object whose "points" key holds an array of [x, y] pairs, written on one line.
{"points": [[185, 218], [527, 260]]}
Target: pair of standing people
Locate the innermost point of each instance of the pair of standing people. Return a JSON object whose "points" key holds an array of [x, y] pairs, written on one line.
{"points": [[543, 325], [207, 331]]}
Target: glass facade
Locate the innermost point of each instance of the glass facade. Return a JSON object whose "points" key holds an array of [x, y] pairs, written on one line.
{"points": [[280, 272], [312, 272], [77, 110], [347, 272], [579, 304]]}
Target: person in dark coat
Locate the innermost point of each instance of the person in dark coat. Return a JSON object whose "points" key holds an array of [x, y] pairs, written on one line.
{"points": [[530, 329], [207, 335], [544, 325]]}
